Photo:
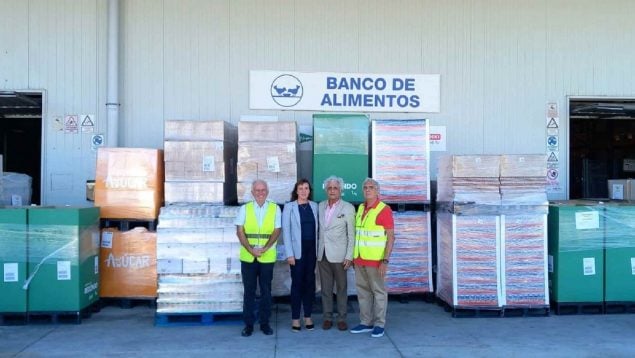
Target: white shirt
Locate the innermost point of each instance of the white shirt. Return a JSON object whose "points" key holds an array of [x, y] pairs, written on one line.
{"points": [[261, 211]]}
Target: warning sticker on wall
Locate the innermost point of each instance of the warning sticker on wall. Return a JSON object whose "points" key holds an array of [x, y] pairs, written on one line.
{"points": [[87, 123], [71, 124]]}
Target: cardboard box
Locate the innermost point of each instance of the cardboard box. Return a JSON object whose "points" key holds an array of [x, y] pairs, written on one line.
{"points": [[128, 263], [200, 130], [267, 131], [129, 183], [621, 189]]}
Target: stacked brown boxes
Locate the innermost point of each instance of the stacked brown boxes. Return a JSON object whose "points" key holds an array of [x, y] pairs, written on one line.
{"points": [[267, 150], [200, 162]]}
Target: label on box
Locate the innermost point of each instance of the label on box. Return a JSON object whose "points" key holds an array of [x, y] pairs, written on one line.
{"points": [[587, 220], [106, 239], [63, 270], [219, 145], [11, 272], [208, 163], [633, 265], [16, 200], [550, 263], [617, 192], [273, 164], [291, 148], [589, 266], [96, 265]]}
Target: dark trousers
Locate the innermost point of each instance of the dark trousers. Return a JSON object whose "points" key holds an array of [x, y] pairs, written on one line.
{"points": [[254, 274], [303, 281]]}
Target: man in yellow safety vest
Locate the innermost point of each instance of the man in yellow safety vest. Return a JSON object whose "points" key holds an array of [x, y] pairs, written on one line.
{"points": [[258, 227], [374, 239]]}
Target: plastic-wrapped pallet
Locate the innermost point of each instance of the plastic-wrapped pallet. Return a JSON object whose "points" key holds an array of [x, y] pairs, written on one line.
{"points": [[410, 268], [400, 159], [197, 259], [200, 162], [523, 179], [524, 278], [468, 249], [469, 178], [15, 189], [267, 151]]}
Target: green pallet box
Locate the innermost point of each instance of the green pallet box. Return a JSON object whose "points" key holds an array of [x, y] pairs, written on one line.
{"points": [[340, 148], [63, 259], [619, 279], [13, 260], [576, 252]]}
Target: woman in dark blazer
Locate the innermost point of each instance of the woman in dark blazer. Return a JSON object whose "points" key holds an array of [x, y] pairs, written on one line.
{"points": [[299, 233]]}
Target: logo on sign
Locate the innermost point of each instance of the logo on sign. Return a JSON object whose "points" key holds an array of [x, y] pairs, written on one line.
{"points": [[552, 174], [286, 90], [552, 141]]}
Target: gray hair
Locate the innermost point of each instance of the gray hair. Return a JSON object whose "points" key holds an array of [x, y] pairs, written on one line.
{"points": [[372, 181], [259, 181], [338, 180]]}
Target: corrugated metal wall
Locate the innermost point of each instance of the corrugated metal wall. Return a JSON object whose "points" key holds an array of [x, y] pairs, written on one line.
{"points": [[500, 61], [58, 47]]}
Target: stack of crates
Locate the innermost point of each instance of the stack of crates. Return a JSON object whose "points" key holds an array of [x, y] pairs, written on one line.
{"points": [[197, 249], [492, 233], [400, 163]]}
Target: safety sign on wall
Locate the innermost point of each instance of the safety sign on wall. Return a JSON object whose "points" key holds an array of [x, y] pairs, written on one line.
{"points": [[553, 148], [87, 123], [71, 123]]}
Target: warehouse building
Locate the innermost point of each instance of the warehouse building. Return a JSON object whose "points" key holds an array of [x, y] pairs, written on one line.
{"points": [[551, 77]]}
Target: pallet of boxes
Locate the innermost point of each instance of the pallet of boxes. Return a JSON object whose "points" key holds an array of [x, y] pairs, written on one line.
{"points": [[129, 192], [197, 249], [400, 163], [492, 235], [48, 258], [268, 151]]}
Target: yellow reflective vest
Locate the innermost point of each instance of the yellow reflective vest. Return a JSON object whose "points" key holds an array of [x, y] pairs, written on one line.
{"points": [[257, 236], [370, 238]]}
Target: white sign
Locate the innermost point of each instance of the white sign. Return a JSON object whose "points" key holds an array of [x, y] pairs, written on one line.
{"points": [[106, 239], [438, 139], [87, 123], [588, 264], [70, 124], [11, 272], [63, 270], [344, 92], [587, 220]]}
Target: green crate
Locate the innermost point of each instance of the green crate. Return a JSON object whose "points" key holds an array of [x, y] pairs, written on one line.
{"points": [[63, 259], [576, 252], [13, 297], [619, 279], [340, 148]]}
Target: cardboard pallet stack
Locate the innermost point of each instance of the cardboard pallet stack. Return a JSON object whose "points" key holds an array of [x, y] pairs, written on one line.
{"points": [[200, 162], [267, 150], [492, 231], [197, 255], [400, 163]]}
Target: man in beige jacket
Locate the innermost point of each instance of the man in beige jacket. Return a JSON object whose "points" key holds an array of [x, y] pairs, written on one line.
{"points": [[335, 250]]}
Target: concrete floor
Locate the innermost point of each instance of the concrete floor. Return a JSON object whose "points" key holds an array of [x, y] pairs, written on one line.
{"points": [[413, 329]]}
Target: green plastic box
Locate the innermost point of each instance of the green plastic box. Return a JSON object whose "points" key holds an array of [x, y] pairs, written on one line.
{"points": [[576, 252], [619, 279], [340, 148], [13, 298], [63, 259]]}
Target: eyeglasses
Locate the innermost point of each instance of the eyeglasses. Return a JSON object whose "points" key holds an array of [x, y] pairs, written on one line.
{"points": [[370, 187]]}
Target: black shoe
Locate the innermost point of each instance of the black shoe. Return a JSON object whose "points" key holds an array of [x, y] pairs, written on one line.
{"points": [[247, 331], [266, 329]]}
